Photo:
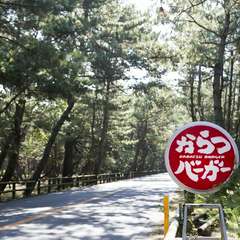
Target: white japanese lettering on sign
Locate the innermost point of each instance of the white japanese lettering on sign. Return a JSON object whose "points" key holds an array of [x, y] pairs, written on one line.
{"points": [[205, 145], [209, 171], [188, 145]]}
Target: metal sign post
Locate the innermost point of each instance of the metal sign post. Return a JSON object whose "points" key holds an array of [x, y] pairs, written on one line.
{"points": [[210, 206]]}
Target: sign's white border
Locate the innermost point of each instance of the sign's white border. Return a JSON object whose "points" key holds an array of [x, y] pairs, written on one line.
{"points": [[199, 123]]}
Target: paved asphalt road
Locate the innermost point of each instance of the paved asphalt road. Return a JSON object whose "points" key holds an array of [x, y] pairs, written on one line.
{"points": [[123, 210]]}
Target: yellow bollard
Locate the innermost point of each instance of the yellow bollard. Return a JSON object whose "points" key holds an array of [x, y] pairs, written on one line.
{"points": [[166, 214]]}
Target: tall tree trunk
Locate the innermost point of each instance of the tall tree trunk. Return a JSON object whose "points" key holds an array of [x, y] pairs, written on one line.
{"points": [[134, 165], [13, 153], [234, 100], [141, 135], [218, 74], [68, 160], [68, 157], [144, 154], [192, 105], [154, 159], [93, 124], [5, 148], [199, 94], [101, 155], [225, 104], [89, 166], [43, 162], [237, 122], [229, 110]]}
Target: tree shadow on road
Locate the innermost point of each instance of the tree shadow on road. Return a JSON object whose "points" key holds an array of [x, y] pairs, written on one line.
{"points": [[128, 213]]}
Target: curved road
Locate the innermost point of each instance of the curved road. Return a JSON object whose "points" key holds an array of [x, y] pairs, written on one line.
{"points": [[123, 210]]}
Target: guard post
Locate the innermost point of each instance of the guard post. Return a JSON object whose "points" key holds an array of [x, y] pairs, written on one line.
{"points": [[166, 213]]}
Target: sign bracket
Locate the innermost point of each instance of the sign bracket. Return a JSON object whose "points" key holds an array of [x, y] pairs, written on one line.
{"points": [[210, 206]]}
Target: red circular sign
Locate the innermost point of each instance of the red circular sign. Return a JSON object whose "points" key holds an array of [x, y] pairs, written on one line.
{"points": [[201, 156]]}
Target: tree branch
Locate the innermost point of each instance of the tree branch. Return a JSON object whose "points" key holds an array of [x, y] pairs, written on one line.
{"points": [[202, 26], [196, 4], [11, 100], [192, 6], [13, 41], [209, 43]]}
